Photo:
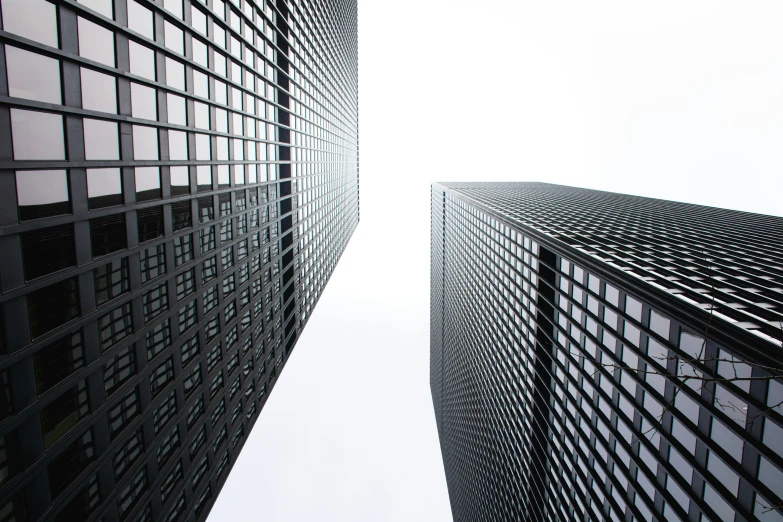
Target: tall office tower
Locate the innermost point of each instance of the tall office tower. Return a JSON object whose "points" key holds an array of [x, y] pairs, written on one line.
{"points": [[178, 179], [596, 356]]}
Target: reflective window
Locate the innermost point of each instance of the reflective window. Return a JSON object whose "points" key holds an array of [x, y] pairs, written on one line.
{"points": [[52, 306], [773, 436], [42, 193], [37, 135], [200, 84], [204, 176], [198, 20], [145, 143], [178, 145], [202, 115], [48, 250], [108, 234], [176, 108], [224, 179], [203, 147], [144, 102], [33, 19], [730, 442], [659, 324], [99, 91], [180, 181], [57, 361], [142, 60], [140, 19], [101, 140], [95, 42], [104, 188], [62, 414], [174, 38], [175, 74], [32, 76], [103, 7], [147, 183], [199, 52], [174, 7]]}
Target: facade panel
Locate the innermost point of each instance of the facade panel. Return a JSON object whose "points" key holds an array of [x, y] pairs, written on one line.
{"points": [[605, 357], [178, 179]]}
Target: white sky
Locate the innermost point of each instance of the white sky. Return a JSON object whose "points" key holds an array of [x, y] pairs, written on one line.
{"points": [[678, 100]]}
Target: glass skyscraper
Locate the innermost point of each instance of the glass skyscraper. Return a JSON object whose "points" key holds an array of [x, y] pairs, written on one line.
{"points": [[597, 356], [178, 179]]}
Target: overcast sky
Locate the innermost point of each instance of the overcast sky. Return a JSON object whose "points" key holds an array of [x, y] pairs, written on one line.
{"points": [[677, 100]]}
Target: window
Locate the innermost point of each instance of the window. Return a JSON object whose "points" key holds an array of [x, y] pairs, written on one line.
{"points": [[144, 102], [158, 339], [178, 509], [168, 446], [209, 270], [48, 250], [229, 284], [82, 504], [115, 326], [175, 74], [53, 306], [162, 376], [95, 42], [207, 239], [227, 258], [189, 350], [129, 452], [194, 412], [153, 262], [178, 145], [212, 328], [171, 479], [206, 210], [155, 302], [210, 297], [183, 249], [130, 494], [63, 413], [230, 311], [42, 193], [180, 184], [215, 385], [33, 19], [145, 145], [99, 91], [111, 280], [101, 140], [187, 316], [164, 412], [198, 442], [121, 368], [203, 172], [57, 361], [150, 223], [142, 60], [37, 135], [192, 380], [70, 463], [147, 182], [140, 19], [201, 470], [104, 188], [176, 109], [32, 76], [108, 234]]}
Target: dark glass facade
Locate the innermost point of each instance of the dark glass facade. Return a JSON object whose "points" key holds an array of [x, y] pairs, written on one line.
{"points": [[597, 356], [178, 179]]}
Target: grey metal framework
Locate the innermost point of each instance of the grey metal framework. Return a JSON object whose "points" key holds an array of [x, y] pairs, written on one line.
{"points": [[597, 356], [178, 179]]}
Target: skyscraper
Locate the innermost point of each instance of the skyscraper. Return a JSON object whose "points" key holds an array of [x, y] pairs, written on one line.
{"points": [[178, 179], [597, 356]]}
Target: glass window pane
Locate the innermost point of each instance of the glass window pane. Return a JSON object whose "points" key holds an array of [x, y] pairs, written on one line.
{"points": [[222, 148], [42, 193], [175, 74], [33, 19], [32, 76], [145, 143], [199, 52], [104, 187], [142, 60], [37, 135], [95, 42], [101, 140], [200, 84], [180, 180], [223, 176], [202, 115], [140, 19], [174, 38], [177, 109], [144, 103], [178, 145], [103, 7], [147, 183], [204, 177], [174, 7], [99, 91], [203, 147]]}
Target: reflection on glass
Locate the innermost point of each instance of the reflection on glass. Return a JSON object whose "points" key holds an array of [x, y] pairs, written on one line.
{"points": [[104, 188], [222, 148], [142, 60], [145, 143], [177, 109], [198, 20], [140, 19], [101, 140], [175, 74], [202, 115], [203, 147], [224, 178], [99, 91], [178, 145], [95, 42], [252, 176], [37, 135], [180, 181], [32, 76], [143, 102], [147, 183], [204, 177], [42, 193], [103, 7], [33, 19], [239, 174]]}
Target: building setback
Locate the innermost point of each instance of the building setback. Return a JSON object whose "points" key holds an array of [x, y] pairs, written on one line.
{"points": [[597, 356], [178, 179]]}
